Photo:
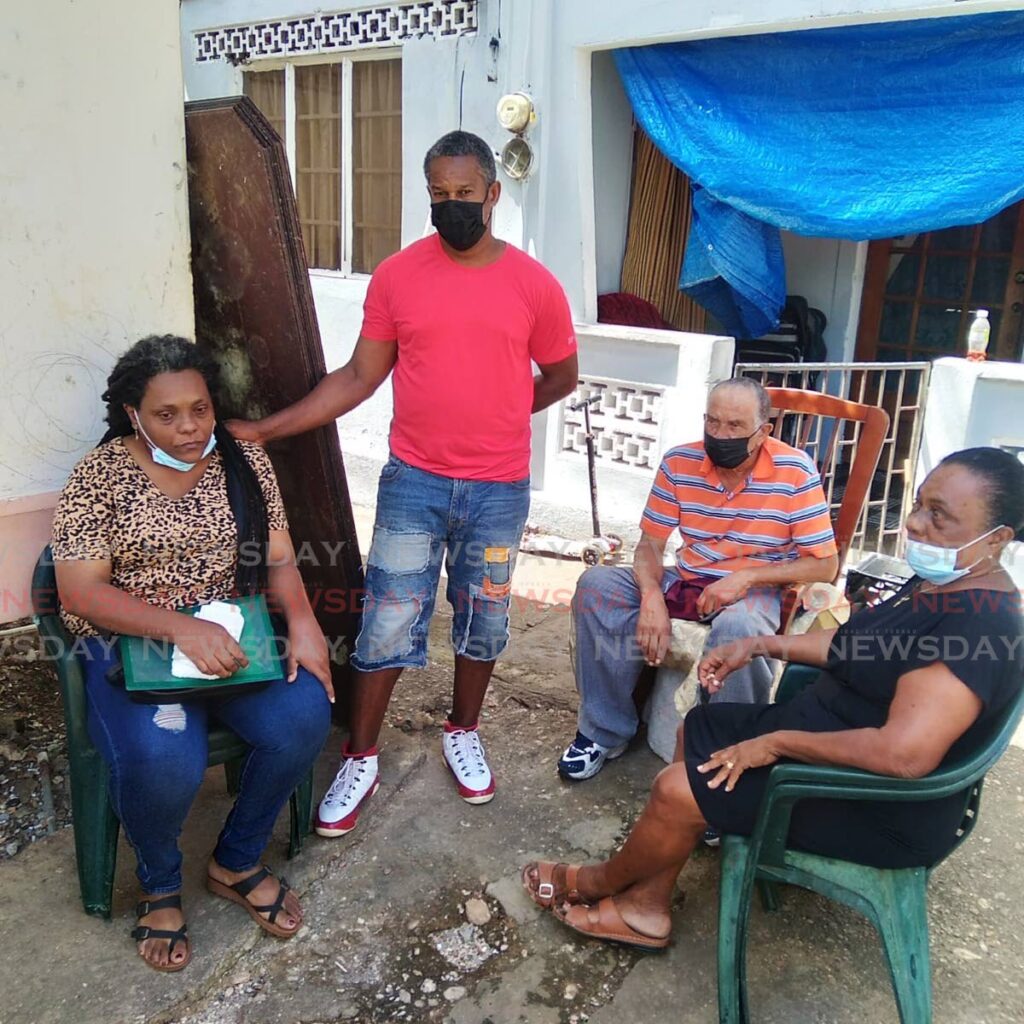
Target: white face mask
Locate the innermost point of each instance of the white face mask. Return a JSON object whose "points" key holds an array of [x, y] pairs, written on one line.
{"points": [[937, 564], [162, 458]]}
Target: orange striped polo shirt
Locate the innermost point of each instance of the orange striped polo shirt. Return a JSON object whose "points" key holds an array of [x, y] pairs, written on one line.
{"points": [[778, 515]]}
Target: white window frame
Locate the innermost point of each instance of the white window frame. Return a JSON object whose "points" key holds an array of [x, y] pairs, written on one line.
{"points": [[290, 130]]}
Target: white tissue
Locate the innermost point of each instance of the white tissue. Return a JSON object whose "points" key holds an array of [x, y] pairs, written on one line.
{"points": [[227, 615]]}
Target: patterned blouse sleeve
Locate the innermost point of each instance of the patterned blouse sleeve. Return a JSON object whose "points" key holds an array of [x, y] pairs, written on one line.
{"points": [[83, 523], [264, 470]]}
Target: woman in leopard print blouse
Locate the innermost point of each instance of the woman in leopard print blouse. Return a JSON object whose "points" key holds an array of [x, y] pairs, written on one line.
{"points": [[170, 511]]}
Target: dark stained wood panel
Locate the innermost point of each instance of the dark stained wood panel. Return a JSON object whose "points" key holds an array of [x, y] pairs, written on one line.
{"points": [[254, 313]]}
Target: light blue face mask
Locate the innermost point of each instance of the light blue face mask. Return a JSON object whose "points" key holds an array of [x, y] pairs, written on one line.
{"points": [[161, 458], [938, 565]]}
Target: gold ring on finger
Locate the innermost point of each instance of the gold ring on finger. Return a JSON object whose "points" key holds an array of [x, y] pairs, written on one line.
{"points": [[730, 765]]}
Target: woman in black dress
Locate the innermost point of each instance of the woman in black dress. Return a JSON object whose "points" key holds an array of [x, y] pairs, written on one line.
{"points": [[906, 685]]}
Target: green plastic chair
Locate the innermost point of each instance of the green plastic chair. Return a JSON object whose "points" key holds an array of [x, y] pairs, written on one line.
{"points": [[894, 901], [95, 824]]}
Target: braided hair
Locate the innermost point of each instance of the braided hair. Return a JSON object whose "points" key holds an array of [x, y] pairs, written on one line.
{"points": [[1002, 476], [127, 384]]}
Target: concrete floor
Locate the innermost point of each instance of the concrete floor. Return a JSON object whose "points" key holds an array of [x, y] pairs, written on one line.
{"points": [[382, 900]]}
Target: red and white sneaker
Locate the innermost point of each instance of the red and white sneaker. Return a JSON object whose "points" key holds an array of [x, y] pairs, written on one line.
{"points": [[464, 755], [357, 780]]}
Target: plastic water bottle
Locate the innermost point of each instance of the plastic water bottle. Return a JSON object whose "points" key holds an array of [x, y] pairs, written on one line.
{"points": [[977, 336]]}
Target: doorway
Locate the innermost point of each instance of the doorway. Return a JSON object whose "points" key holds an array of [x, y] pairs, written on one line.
{"points": [[921, 291]]}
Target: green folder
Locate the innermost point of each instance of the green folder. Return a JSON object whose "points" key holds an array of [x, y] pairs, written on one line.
{"points": [[147, 662]]}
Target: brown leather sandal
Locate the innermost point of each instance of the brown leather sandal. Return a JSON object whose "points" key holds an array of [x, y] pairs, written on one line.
{"points": [[602, 920], [238, 892], [546, 895]]}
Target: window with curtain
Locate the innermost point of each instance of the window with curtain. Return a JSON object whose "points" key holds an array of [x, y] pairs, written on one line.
{"points": [[318, 162], [267, 92], [345, 147], [376, 162]]}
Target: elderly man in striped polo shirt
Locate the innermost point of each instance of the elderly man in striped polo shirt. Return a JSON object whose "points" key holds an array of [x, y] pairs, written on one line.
{"points": [[753, 518]]}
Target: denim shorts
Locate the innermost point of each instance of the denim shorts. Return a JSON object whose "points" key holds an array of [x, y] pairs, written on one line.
{"points": [[474, 526]]}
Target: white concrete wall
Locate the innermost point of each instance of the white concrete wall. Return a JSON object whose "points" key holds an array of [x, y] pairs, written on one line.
{"points": [[571, 213], [685, 365], [970, 405], [829, 273], [93, 236], [613, 169], [438, 75], [94, 216], [546, 49]]}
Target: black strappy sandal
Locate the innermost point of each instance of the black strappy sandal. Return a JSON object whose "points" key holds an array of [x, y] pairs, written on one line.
{"points": [[237, 894], [141, 932]]}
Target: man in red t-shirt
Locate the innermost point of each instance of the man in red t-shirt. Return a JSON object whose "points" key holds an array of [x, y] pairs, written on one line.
{"points": [[460, 317]]}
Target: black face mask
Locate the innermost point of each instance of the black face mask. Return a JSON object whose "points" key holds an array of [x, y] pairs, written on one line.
{"points": [[458, 222], [726, 452]]}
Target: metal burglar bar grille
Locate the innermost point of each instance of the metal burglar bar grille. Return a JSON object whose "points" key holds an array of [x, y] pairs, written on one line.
{"points": [[383, 25], [626, 422]]}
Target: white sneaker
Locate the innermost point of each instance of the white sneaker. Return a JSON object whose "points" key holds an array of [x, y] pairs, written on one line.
{"points": [[464, 755], [584, 758], [357, 780]]}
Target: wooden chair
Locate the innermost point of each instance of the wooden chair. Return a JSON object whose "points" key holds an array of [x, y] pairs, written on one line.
{"points": [[893, 900], [844, 439], [95, 824]]}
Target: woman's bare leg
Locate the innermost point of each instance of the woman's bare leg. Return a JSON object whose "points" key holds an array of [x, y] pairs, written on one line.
{"points": [[642, 875], [677, 755], [662, 839]]}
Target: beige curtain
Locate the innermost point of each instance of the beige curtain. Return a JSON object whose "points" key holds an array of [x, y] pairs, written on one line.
{"points": [[376, 162], [266, 90], [318, 162], [659, 223], [376, 172]]}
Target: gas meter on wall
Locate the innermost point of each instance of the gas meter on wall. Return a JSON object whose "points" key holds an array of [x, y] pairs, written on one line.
{"points": [[517, 158], [515, 112]]}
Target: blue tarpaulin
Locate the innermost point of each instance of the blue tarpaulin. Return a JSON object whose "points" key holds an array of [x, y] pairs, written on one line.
{"points": [[857, 132]]}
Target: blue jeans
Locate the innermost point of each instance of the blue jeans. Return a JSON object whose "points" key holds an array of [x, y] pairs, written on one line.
{"points": [[606, 606], [157, 757], [474, 526]]}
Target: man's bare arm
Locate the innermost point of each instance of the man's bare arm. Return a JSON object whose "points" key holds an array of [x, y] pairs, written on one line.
{"points": [[648, 566], [555, 381], [653, 628], [338, 393], [804, 648], [735, 586], [806, 569], [931, 710]]}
